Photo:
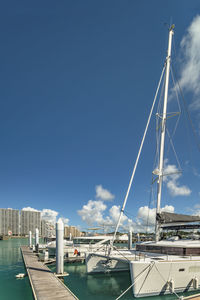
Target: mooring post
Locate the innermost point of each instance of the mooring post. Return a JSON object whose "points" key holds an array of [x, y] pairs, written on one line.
{"points": [[59, 247], [36, 239], [30, 239], [130, 239]]}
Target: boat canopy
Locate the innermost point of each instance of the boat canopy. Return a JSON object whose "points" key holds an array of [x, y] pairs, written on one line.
{"points": [[181, 227], [166, 218]]}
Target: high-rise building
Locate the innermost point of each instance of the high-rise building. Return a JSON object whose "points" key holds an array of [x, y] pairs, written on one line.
{"points": [[47, 229], [30, 220], [71, 230], [43, 230], [78, 233], [66, 232], [9, 221]]}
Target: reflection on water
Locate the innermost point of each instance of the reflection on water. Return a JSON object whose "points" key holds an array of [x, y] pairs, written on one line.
{"points": [[86, 287], [9, 252], [106, 286], [110, 283], [10, 265]]}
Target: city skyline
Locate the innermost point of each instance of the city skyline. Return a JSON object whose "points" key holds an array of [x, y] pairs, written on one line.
{"points": [[14, 222]]}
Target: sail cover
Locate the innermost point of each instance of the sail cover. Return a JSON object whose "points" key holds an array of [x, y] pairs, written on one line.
{"points": [[166, 218]]}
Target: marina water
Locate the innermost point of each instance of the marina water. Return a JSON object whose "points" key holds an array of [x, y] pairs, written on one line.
{"points": [[91, 287], [11, 264]]}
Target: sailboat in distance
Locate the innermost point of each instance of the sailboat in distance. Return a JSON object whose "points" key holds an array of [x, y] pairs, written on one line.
{"points": [[162, 266]]}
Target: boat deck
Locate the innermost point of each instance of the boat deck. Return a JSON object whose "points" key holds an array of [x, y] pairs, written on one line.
{"points": [[128, 256], [45, 285]]}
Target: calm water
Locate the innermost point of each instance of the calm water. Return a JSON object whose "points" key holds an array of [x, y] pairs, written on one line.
{"points": [[85, 287], [10, 265]]}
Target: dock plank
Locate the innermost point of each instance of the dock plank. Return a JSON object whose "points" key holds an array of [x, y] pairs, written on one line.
{"points": [[45, 285]]}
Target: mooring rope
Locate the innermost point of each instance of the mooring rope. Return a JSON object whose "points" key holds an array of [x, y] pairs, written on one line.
{"points": [[167, 281], [137, 278]]}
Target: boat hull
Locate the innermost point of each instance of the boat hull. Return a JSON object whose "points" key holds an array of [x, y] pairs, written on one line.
{"points": [[153, 278], [97, 263]]}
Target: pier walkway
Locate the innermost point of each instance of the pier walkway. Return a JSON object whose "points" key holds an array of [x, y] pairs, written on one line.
{"points": [[193, 297], [45, 285]]}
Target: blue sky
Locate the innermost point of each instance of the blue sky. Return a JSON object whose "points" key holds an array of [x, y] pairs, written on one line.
{"points": [[77, 82]]}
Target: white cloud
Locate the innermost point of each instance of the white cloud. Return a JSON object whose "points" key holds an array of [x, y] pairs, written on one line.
{"points": [[114, 214], [171, 178], [176, 190], [140, 224], [190, 73], [95, 213], [111, 220], [49, 215], [195, 210], [103, 194], [148, 215], [145, 215], [29, 209], [65, 221], [92, 212]]}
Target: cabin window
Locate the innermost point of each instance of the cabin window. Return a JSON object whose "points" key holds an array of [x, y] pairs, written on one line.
{"points": [[181, 270]]}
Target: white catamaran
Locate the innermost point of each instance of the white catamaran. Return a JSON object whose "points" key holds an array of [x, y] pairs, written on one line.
{"points": [[162, 266]]}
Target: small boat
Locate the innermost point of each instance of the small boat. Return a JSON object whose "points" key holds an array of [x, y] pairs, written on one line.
{"points": [[81, 245]]}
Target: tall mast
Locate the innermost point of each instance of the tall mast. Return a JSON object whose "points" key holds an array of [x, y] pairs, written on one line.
{"points": [[163, 127]]}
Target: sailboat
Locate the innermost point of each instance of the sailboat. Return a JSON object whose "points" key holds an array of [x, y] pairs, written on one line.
{"points": [[162, 266]]}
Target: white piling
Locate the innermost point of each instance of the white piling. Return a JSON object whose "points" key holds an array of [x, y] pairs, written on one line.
{"points": [[46, 255], [59, 247], [138, 237], [36, 237], [30, 239], [130, 240]]}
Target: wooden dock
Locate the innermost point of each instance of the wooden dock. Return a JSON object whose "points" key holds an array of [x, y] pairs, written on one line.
{"points": [[45, 285], [193, 297], [67, 260]]}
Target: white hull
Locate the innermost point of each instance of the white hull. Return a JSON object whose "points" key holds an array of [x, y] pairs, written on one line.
{"points": [[174, 274], [97, 263]]}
